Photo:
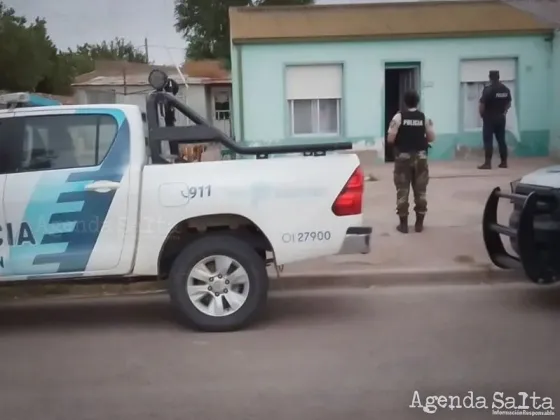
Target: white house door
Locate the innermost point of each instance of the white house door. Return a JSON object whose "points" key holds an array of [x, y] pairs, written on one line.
{"points": [[221, 109]]}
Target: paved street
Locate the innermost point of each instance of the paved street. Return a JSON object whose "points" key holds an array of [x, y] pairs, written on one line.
{"points": [[327, 355]]}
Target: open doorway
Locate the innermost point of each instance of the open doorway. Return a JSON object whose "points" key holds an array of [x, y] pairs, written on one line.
{"points": [[398, 79]]}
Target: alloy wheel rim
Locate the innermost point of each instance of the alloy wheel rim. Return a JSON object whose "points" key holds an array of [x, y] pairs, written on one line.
{"points": [[218, 286]]}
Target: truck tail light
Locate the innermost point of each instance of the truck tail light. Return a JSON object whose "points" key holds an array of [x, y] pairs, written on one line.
{"points": [[349, 201]]}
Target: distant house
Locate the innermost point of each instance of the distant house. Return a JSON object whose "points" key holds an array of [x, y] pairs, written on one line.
{"points": [[208, 92], [323, 73]]}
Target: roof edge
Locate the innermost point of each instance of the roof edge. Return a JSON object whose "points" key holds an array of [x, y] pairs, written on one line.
{"points": [[400, 37], [346, 6]]}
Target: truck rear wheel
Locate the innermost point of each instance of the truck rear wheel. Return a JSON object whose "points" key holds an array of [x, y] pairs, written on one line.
{"points": [[218, 283]]}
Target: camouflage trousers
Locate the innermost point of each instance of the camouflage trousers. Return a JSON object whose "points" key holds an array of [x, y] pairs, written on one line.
{"points": [[411, 169]]}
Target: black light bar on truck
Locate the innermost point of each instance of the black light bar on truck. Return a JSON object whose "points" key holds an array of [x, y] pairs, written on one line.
{"points": [[528, 258]]}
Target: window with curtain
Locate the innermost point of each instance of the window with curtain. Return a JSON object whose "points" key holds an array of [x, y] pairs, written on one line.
{"points": [[314, 97]]}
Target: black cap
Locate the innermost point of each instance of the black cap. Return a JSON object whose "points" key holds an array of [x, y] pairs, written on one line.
{"points": [[494, 75]]}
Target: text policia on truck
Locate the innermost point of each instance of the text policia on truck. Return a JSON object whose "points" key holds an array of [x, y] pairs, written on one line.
{"points": [[84, 197]]}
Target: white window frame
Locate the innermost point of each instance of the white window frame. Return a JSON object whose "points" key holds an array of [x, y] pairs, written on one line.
{"points": [[314, 83], [318, 133], [225, 112]]}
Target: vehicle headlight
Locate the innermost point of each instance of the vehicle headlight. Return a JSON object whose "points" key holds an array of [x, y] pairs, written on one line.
{"points": [[514, 184]]}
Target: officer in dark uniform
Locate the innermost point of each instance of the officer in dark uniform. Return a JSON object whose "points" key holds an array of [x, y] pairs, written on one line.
{"points": [[411, 133], [493, 106]]}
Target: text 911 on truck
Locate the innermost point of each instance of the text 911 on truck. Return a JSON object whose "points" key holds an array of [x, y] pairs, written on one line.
{"points": [[85, 199]]}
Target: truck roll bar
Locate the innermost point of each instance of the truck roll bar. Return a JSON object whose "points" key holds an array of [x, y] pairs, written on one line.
{"points": [[203, 132]]}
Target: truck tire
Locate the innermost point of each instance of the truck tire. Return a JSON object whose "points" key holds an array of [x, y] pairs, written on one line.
{"points": [[218, 283]]}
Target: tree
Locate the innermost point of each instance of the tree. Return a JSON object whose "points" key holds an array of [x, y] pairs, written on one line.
{"points": [[205, 24], [30, 61], [25, 51], [85, 55]]}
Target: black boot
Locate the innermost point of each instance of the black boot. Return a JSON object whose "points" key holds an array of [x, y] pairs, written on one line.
{"points": [[419, 225], [403, 225], [503, 164], [487, 159]]}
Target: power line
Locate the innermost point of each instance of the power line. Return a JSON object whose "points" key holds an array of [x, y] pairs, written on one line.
{"points": [[165, 47]]}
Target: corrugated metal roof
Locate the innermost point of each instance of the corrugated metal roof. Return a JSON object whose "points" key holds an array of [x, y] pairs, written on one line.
{"points": [[212, 69], [132, 80], [111, 73]]}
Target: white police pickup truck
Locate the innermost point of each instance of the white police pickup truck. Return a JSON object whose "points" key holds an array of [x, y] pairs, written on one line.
{"points": [[81, 199], [533, 228]]}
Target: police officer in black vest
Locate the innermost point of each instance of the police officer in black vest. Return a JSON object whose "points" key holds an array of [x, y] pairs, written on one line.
{"points": [[411, 133], [493, 106]]}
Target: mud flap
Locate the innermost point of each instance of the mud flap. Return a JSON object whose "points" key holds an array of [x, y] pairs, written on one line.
{"points": [[528, 259]]}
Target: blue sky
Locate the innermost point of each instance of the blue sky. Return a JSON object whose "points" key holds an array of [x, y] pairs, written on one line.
{"points": [[73, 22]]}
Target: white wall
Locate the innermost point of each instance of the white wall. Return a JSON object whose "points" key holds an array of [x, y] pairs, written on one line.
{"points": [[196, 99], [195, 96]]}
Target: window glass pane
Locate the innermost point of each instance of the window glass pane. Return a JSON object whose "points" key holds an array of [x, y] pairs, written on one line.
{"points": [[66, 141], [471, 96], [304, 117], [328, 116]]}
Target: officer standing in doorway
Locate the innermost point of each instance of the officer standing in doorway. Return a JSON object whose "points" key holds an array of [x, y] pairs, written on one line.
{"points": [[411, 133], [493, 106]]}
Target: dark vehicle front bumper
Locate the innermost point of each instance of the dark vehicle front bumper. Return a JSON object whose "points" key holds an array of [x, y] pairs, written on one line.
{"points": [[534, 232]]}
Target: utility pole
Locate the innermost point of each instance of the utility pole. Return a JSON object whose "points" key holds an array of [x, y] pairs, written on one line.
{"points": [[124, 79], [146, 48]]}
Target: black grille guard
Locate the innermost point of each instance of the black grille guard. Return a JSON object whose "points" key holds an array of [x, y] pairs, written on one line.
{"points": [[528, 259]]}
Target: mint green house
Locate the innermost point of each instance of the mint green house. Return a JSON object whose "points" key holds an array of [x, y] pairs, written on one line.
{"points": [[325, 73]]}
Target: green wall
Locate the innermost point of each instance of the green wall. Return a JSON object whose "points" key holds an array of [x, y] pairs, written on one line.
{"points": [[555, 100], [260, 112]]}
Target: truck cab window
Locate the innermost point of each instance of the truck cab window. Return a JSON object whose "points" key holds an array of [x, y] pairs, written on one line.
{"points": [[64, 141], [10, 147]]}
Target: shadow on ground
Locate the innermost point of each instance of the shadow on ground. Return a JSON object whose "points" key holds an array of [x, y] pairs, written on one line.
{"points": [[155, 312], [285, 309]]}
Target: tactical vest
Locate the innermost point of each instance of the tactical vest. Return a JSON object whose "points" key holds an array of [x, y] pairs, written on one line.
{"points": [[411, 136], [499, 97]]}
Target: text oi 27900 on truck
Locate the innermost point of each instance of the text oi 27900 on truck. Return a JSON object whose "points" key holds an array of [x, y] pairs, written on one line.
{"points": [[82, 199], [533, 227]]}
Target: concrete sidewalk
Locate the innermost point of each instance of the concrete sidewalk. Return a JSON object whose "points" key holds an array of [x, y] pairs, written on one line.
{"points": [[452, 239]]}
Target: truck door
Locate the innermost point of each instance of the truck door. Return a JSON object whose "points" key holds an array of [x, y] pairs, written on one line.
{"points": [[66, 201], [4, 162]]}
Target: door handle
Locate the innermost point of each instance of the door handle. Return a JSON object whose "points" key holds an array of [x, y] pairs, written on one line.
{"points": [[102, 186]]}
